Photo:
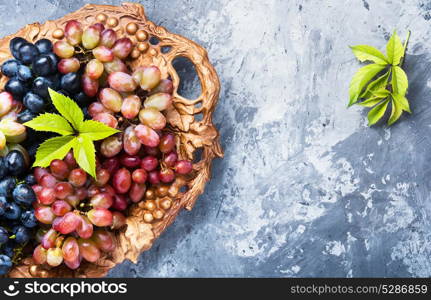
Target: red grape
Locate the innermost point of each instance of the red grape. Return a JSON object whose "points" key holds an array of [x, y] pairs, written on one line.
{"points": [[88, 250], [161, 101], [61, 207], [153, 151], [93, 190], [153, 118], [85, 228], [108, 189], [122, 181], [68, 65], [102, 177], [104, 240], [103, 54], [100, 217], [149, 163], [166, 175], [63, 49], [69, 222], [6, 100], [73, 200], [165, 86], [111, 99], [63, 189], [107, 119], [81, 193], [139, 176], [96, 108], [73, 32], [99, 27], [108, 38], [94, 69], [120, 202], [137, 192], [48, 240], [117, 65], [46, 196], [89, 86], [59, 169], [48, 181], [147, 77], [167, 143], [131, 106], [122, 48], [183, 167], [170, 159], [130, 161], [73, 264], [103, 200], [111, 146], [70, 160], [39, 255], [153, 177], [70, 249], [111, 164], [77, 177], [118, 220], [131, 143], [121, 82], [147, 136]]}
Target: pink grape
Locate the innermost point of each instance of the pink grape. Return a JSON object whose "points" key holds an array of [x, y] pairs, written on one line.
{"points": [[122, 48], [153, 177], [62, 190], [131, 143], [160, 101], [131, 106], [70, 249], [120, 202], [137, 192], [111, 99], [59, 169], [46, 196], [73, 32], [118, 220], [85, 228], [54, 257], [170, 159], [147, 136], [97, 108], [104, 240], [147, 77], [183, 167], [73, 264], [108, 38], [48, 240], [48, 181], [149, 163], [121, 82], [106, 119], [166, 175], [39, 255], [100, 217], [68, 224], [63, 49], [91, 37], [130, 161], [94, 69], [111, 146], [103, 200], [153, 118], [122, 181], [88, 250], [89, 86], [139, 176], [116, 65], [103, 54], [165, 86], [5, 103], [61, 207], [68, 65], [77, 177], [167, 143]]}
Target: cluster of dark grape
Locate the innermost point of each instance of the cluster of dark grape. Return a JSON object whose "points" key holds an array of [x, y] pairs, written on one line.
{"points": [[17, 218]]}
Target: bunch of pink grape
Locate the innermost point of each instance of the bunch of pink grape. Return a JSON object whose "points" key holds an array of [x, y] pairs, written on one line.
{"points": [[78, 212]]}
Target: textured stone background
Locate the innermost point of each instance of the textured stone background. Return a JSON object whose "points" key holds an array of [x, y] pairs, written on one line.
{"points": [[305, 188]]}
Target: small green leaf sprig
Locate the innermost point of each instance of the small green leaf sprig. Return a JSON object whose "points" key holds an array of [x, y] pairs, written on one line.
{"points": [[382, 82], [75, 133]]}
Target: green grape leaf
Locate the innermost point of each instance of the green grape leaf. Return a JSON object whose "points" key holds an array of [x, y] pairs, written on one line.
{"points": [[399, 81], [369, 53], [360, 79], [382, 93], [395, 113], [377, 84], [53, 148], [51, 123], [85, 155], [394, 49], [95, 130], [371, 102], [377, 112], [67, 108], [402, 102]]}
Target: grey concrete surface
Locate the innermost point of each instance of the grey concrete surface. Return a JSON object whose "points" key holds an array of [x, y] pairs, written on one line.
{"points": [[306, 188]]}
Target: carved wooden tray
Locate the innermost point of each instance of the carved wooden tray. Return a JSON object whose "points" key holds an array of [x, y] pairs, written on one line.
{"points": [[192, 134]]}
